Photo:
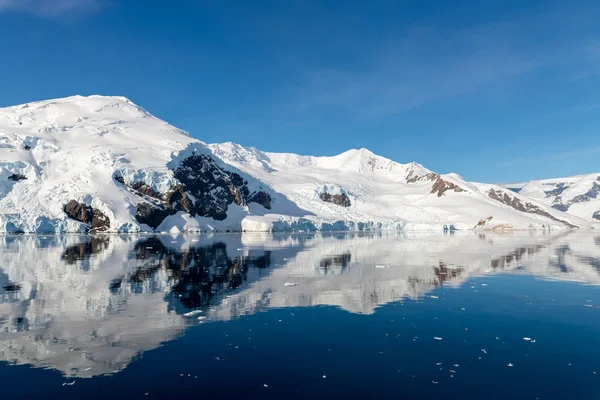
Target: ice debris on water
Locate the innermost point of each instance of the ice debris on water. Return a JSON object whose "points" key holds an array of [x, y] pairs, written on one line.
{"points": [[484, 351], [437, 338], [434, 297], [510, 365], [527, 339], [287, 284], [192, 313], [382, 266], [265, 385], [68, 383]]}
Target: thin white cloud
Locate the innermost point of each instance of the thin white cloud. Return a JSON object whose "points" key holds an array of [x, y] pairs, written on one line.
{"points": [[426, 64], [50, 8]]}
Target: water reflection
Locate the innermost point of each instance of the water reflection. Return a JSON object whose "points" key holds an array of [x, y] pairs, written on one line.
{"points": [[88, 306]]}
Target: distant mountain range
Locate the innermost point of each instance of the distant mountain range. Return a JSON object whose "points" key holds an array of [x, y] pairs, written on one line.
{"points": [[578, 195], [104, 164]]}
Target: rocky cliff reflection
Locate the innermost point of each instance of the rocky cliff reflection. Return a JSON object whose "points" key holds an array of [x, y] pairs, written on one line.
{"points": [[88, 306]]}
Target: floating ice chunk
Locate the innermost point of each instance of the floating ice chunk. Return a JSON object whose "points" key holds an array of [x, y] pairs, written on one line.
{"points": [[192, 313], [438, 363], [527, 339], [437, 338], [510, 365], [484, 351], [434, 297], [324, 376], [435, 382], [287, 284], [265, 385], [201, 318]]}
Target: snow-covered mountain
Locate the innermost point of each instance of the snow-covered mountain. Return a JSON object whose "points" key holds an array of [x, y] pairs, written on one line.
{"points": [[104, 164], [577, 195], [360, 189]]}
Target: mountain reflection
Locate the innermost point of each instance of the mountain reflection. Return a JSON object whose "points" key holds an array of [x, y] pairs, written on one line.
{"points": [[88, 306]]}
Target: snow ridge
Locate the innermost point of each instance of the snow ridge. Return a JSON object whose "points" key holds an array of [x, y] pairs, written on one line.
{"points": [[108, 157]]}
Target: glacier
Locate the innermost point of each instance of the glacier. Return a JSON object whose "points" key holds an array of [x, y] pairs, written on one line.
{"points": [[104, 164]]}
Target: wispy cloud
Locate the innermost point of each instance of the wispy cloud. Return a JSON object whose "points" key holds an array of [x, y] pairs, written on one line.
{"points": [[50, 8], [425, 64], [549, 157]]}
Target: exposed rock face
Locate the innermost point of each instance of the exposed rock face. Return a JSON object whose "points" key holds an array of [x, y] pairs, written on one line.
{"points": [[413, 178], [205, 190], [593, 193], [151, 215], [441, 186], [17, 177], [517, 204], [88, 215], [561, 187], [483, 222], [596, 215], [261, 198], [338, 199]]}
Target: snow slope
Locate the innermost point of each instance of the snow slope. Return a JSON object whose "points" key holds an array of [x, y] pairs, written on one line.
{"points": [[105, 164], [73, 148], [385, 193], [578, 195]]}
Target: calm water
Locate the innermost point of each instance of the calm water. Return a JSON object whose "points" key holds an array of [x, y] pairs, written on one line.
{"points": [[411, 316]]}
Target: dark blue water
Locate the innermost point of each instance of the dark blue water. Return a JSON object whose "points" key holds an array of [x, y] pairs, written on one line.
{"points": [[452, 317]]}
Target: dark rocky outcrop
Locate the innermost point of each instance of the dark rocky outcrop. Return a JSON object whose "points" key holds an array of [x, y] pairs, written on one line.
{"points": [[483, 222], [593, 193], [596, 215], [151, 215], [261, 198], [441, 186], [559, 205], [337, 199], [526, 207], [560, 187], [205, 189], [413, 178], [88, 215], [17, 177]]}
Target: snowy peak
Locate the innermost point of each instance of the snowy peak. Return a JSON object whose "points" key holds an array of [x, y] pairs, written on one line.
{"points": [[360, 186], [578, 195], [103, 163]]}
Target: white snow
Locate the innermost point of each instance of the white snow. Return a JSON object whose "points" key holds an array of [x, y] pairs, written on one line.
{"points": [[72, 148], [548, 191], [383, 193]]}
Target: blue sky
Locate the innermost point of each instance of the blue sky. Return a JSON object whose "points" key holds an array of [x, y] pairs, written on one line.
{"points": [[496, 91]]}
